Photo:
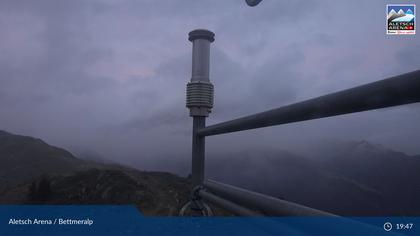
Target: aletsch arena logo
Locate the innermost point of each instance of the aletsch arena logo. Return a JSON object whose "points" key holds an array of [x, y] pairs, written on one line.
{"points": [[401, 18]]}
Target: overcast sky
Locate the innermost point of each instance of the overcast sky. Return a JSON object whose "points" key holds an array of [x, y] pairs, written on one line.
{"points": [[110, 75]]}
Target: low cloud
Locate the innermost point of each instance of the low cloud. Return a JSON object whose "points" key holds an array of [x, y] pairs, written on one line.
{"points": [[110, 75]]}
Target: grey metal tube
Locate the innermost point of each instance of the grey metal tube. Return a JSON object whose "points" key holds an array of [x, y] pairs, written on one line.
{"points": [[268, 205], [198, 151], [394, 91], [201, 60], [228, 205], [283, 228]]}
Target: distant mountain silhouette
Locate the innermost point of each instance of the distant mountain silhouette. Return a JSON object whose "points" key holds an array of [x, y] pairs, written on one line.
{"points": [[356, 178]]}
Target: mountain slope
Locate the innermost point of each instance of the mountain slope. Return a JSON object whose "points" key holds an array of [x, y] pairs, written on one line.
{"points": [[294, 178], [356, 178], [154, 193], [23, 158], [33, 172], [394, 174]]}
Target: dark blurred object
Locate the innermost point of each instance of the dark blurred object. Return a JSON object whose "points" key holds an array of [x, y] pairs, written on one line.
{"points": [[252, 3]]}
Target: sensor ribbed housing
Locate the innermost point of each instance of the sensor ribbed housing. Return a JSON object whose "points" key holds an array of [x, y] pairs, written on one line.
{"points": [[199, 94]]}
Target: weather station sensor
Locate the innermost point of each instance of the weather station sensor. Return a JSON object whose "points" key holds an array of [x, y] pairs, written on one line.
{"points": [[200, 90]]}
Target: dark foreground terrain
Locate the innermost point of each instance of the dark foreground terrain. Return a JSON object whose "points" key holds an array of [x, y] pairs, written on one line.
{"points": [[33, 172]]}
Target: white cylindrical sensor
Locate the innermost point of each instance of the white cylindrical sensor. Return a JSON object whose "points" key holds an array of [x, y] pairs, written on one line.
{"points": [[200, 90]]}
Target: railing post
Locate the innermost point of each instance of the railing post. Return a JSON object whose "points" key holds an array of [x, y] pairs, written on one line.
{"points": [[199, 98]]}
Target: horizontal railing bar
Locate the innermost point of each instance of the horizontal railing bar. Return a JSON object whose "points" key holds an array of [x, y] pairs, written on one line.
{"points": [[268, 205], [287, 208], [394, 91], [228, 205]]}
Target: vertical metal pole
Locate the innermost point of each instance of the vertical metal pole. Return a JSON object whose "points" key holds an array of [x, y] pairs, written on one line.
{"points": [[199, 98], [198, 151]]}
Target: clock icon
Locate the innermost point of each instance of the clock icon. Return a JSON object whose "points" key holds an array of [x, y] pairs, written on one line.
{"points": [[387, 226]]}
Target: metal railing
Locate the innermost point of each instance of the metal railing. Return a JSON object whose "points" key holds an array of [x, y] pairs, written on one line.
{"points": [[394, 91]]}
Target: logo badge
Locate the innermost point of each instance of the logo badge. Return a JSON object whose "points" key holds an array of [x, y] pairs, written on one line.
{"points": [[401, 18]]}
